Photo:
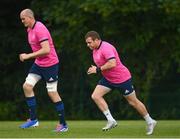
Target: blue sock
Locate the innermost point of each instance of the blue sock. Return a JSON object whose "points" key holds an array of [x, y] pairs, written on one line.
{"points": [[60, 109], [31, 102]]}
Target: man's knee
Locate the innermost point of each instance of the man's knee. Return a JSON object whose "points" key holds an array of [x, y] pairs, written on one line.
{"points": [[95, 96], [134, 102], [27, 88], [52, 87]]}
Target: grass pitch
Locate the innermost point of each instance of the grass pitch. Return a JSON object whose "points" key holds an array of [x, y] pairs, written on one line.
{"points": [[91, 129]]}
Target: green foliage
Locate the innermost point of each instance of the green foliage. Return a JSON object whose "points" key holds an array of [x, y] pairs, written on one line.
{"points": [[145, 33]]}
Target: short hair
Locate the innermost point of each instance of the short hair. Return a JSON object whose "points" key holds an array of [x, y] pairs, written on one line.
{"points": [[93, 34], [28, 12]]}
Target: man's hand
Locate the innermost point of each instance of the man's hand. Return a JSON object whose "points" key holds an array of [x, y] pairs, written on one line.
{"points": [[92, 69], [23, 57]]}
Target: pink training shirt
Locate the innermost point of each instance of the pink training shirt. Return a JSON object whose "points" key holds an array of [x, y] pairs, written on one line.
{"points": [[36, 35], [105, 52]]}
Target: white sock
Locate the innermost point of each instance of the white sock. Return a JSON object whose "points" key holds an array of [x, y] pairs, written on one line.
{"points": [[148, 119], [108, 115]]}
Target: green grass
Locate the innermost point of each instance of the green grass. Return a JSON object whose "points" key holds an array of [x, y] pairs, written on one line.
{"points": [[91, 129]]}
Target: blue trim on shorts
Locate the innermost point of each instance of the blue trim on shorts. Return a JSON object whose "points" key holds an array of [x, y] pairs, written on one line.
{"points": [[49, 74], [126, 86]]}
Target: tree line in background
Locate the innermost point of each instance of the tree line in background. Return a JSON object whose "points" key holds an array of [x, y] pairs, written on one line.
{"points": [[145, 33]]}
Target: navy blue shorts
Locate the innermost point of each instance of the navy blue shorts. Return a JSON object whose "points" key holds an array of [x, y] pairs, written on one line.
{"points": [[126, 86], [49, 74]]}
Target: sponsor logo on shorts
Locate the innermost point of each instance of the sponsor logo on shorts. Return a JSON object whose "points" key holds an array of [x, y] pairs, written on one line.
{"points": [[127, 91], [51, 79]]}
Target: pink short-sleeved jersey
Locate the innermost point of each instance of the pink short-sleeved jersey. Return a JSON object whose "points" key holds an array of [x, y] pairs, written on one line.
{"points": [[105, 52], [36, 35]]}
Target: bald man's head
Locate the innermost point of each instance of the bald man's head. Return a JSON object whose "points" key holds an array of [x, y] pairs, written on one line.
{"points": [[27, 12], [27, 17]]}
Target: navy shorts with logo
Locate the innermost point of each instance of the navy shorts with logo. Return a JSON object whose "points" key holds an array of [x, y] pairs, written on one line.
{"points": [[126, 86], [49, 74]]}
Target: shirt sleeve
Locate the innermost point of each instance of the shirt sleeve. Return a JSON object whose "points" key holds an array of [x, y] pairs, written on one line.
{"points": [[108, 52], [42, 33]]}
